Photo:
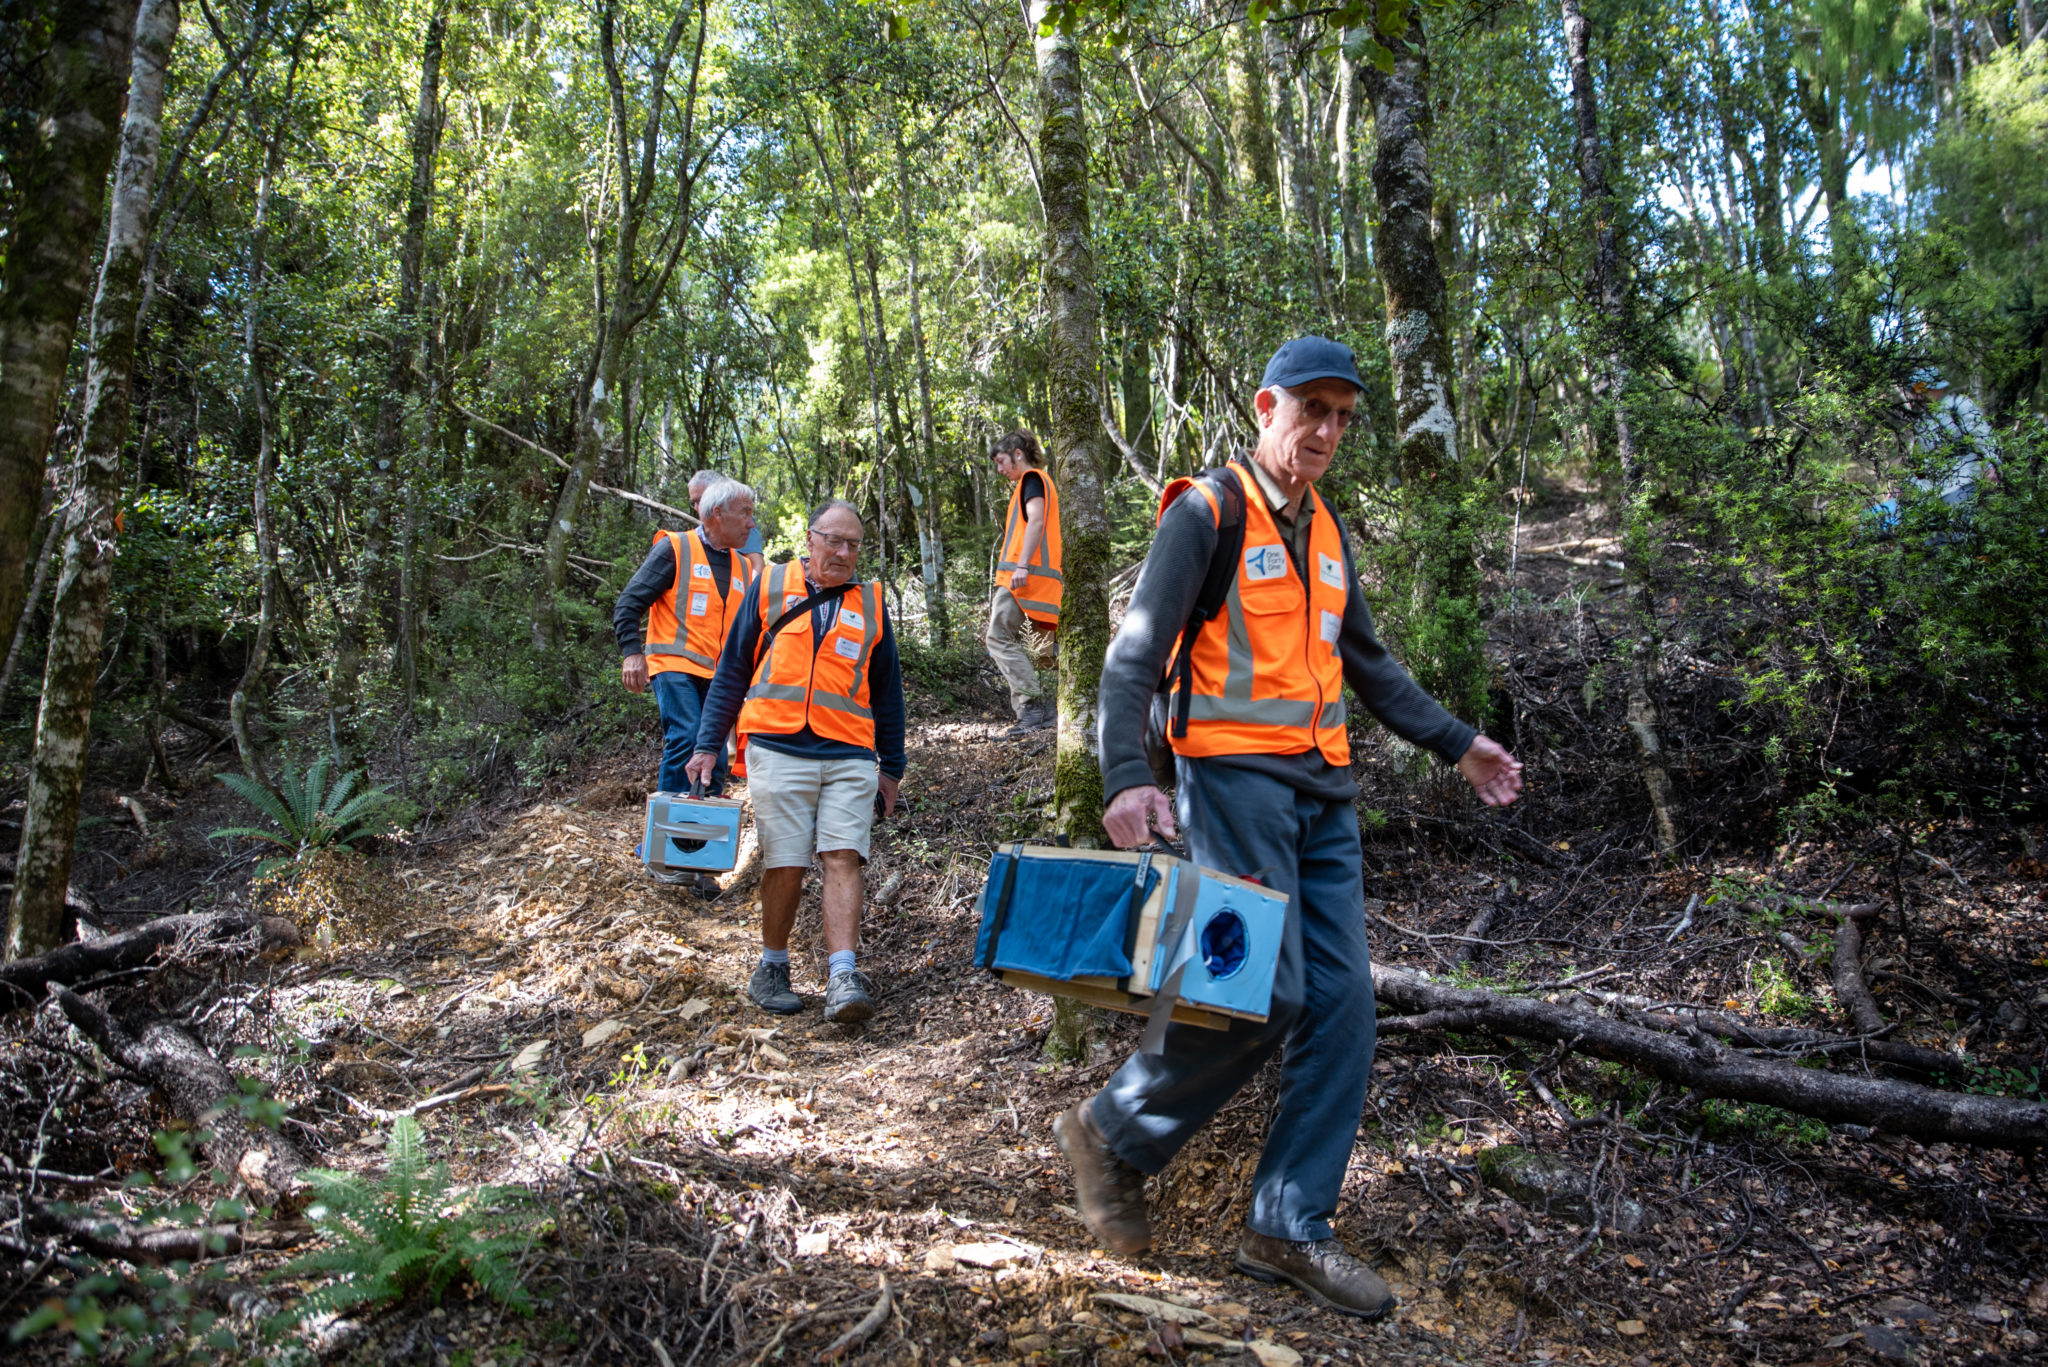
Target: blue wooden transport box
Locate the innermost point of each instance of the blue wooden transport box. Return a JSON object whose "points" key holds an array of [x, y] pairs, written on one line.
{"points": [[701, 833], [1088, 924]]}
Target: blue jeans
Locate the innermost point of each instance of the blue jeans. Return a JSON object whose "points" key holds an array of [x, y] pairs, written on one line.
{"points": [[1322, 1017], [680, 697]]}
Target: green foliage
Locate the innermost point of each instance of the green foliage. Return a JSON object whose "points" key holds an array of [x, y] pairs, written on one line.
{"points": [[1752, 1119], [412, 1231], [309, 814], [1776, 993]]}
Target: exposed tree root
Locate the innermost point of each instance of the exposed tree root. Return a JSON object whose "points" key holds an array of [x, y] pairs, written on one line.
{"points": [[199, 1089], [24, 982], [1712, 1069], [111, 1238]]}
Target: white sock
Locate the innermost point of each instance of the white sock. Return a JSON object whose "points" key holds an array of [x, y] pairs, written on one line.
{"points": [[774, 956], [842, 962]]}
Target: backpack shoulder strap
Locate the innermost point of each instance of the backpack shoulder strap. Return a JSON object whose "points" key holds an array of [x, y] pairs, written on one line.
{"points": [[1226, 494]]}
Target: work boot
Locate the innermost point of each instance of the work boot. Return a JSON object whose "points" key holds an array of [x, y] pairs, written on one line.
{"points": [[707, 887], [1110, 1192], [1034, 716], [849, 998], [1333, 1278], [769, 987]]}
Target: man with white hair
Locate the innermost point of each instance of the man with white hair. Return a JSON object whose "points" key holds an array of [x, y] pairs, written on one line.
{"points": [[702, 482], [688, 592]]}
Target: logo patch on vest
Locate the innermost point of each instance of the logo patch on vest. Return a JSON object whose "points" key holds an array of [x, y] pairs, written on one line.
{"points": [[790, 600], [700, 603], [1331, 569], [852, 620], [1265, 562], [1332, 624], [848, 649], [699, 570]]}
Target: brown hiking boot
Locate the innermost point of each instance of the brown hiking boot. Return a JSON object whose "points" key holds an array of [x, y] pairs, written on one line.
{"points": [[1333, 1278], [1110, 1192]]}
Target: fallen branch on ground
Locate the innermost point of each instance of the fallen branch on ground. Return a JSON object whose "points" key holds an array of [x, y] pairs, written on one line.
{"points": [[199, 1089], [107, 1237], [856, 1336], [1712, 1069], [25, 981]]}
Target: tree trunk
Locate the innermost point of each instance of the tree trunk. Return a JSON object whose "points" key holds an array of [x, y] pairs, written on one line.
{"points": [[376, 593], [1073, 351], [35, 596], [1433, 572], [58, 180], [1610, 302], [931, 545], [1251, 125], [78, 618], [635, 287], [247, 746]]}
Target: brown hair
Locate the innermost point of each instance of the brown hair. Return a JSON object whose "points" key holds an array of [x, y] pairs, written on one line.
{"points": [[1024, 444]]}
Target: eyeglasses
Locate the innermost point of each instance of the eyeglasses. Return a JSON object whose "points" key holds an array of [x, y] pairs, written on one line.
{"points": [[849, 544]]}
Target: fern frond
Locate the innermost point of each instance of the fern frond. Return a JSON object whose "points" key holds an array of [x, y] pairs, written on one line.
{"points": [[252, 833], [338, 794], [259, 797]]}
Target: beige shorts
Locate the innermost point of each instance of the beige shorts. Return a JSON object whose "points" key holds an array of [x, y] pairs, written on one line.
{"points": [[803, 806]]}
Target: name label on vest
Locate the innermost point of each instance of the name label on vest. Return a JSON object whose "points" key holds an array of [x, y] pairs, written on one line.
{"points": [[700, 604], [1332, 570], [1332, 624], [852, 620], [849, 649], [1265, 562]]}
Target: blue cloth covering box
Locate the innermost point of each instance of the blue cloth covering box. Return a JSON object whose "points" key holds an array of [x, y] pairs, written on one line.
{"points": [[1090, 924], [700, 833]]}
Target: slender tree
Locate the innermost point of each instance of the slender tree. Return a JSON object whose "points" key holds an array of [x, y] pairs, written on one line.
{"points": [[67, 63], [35, 920]]}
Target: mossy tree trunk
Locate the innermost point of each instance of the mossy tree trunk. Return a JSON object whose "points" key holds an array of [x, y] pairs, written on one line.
{"points": [[67, 64], [1073, 350], [1432, 569], [35, 920], [1610, 304]]}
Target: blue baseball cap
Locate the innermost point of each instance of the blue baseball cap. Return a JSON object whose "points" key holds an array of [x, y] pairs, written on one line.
{"points": [[1310, 358]]}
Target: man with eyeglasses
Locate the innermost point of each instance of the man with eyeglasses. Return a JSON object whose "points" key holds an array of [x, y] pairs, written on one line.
{"points": [[811, 677], [1254, 686]]}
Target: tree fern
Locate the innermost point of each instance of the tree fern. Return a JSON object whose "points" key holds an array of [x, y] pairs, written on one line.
{"points": [[411, 1232]]}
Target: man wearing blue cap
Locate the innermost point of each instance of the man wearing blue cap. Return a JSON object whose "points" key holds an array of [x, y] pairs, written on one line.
{"points": [[1255, 573]]}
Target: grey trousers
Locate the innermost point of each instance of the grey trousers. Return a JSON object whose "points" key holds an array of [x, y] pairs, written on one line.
{"points": [[1008, 639], [1322, 1017]]}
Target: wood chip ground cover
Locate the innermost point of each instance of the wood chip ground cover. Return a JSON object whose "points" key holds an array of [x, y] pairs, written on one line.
{"points": [[727, 1179]]}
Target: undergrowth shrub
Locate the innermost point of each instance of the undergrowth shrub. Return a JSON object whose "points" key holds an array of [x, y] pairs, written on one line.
{"points": [[412, 1231]]}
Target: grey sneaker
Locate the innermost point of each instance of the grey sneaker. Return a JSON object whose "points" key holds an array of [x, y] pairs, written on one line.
{"points": [[1333, 1278], [707, 886], [671, 878], [769, 987], [849, 998]]}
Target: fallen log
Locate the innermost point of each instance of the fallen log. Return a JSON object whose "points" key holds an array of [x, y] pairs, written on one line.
{"points": [[1710, 1068], [108, 1237], [1776, 1038], [26, 981], [1850, 989], [199, 1089]]}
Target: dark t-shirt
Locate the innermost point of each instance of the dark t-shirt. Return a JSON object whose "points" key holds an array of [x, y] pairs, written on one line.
{"points": [[1033, 487]]}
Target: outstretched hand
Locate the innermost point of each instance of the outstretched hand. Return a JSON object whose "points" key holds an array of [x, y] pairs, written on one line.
{"points": [[1493, 773], [1132, 814]]}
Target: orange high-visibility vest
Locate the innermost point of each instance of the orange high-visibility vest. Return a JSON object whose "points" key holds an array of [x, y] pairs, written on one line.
{"points": [[686, 626], [1043, 584], [1267, 679], [822, 685]]}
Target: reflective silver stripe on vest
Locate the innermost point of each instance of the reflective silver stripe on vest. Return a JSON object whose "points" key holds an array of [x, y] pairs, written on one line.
{"points": [[685, 558], [871, 632], [1263, 712], [673, 648], [1041, 566], [1027, 604], [783, 692], [871, 604]]}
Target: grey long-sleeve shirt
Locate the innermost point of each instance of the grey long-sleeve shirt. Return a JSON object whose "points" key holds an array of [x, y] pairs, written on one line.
{"points": [[1167, 588]]}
